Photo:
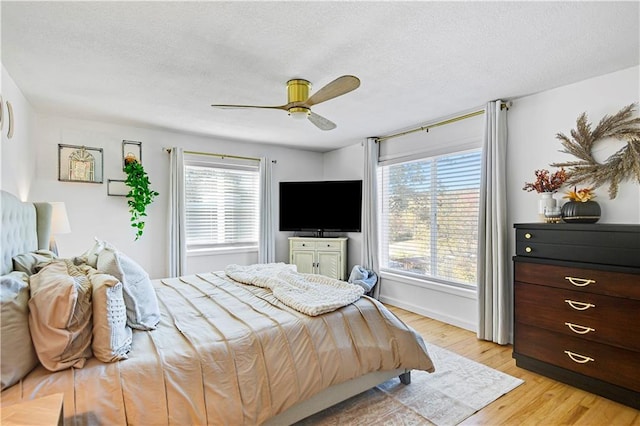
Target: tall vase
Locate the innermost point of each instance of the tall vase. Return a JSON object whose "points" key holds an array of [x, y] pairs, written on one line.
{"points": [[545, 202]]}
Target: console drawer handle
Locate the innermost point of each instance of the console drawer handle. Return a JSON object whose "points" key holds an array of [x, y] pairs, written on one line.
{"points": [[579, 329], [580, 359], [579, 282], [579, 306]]}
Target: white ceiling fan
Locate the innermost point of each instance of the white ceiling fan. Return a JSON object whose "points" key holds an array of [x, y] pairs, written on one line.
{"points": [[299, 102]]}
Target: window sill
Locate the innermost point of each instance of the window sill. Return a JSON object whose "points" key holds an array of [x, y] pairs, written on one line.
{"points": [[430, 285], [221, 250]]}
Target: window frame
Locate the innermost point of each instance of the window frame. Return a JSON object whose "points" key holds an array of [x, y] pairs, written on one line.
{"points": [[465, 289], [221, 162]]}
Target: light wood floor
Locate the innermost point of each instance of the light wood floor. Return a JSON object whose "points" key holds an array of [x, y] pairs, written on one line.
{"points": [[539, 401]]}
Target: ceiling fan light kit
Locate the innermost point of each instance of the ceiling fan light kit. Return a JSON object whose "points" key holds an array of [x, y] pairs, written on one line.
{"points": [[299, 103], [299, 113]]}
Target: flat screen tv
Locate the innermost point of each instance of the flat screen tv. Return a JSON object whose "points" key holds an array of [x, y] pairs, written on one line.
{"points": [[321, 206]]}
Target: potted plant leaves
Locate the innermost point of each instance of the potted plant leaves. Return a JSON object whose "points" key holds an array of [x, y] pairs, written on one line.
{"points": [[140, 194]]}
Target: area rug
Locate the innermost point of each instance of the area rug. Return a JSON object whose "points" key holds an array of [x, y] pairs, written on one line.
{"points": [[458, 388]]}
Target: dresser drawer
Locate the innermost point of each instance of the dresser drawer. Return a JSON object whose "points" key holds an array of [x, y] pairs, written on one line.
{"points": [[316, 245], [589, 236], [579, 279], [328, 245], [595, 317], [608, 363], [605, 256], [602, 244], [607, 245], [303, 245]]}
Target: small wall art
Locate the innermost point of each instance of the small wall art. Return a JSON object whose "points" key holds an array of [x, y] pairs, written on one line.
{"points": [[131, 150], [77, 163]]}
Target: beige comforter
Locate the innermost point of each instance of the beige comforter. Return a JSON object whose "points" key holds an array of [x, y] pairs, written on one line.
{"points": [[228, 353]]}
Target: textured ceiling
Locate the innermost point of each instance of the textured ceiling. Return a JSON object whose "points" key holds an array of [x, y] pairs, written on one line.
{"points": [[161, 64]]}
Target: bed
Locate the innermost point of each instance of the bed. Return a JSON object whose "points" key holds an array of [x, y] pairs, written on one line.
{"points": [[222, 352]]}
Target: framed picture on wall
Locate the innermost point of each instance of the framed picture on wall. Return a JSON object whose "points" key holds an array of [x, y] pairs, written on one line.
{"points": [[78, 163]]}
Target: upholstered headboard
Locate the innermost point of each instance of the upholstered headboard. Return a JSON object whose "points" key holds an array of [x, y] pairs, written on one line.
{"points": [[25, 227]]}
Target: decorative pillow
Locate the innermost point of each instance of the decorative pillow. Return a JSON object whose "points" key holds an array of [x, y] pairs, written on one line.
{"points": [[17, 355], [111, 334], [143, 312], [32, 262], [60, 315], [90, 257]]}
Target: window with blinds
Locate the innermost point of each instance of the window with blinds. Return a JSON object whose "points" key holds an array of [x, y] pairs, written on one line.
{"points": [[428, 216], [221, 203]]}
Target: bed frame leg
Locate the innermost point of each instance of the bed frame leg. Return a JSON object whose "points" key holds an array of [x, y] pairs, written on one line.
{"points": [[405, 378]]}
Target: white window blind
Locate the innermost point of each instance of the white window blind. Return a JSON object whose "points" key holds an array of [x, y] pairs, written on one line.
{"points": [[429, 217], [221, 198]]}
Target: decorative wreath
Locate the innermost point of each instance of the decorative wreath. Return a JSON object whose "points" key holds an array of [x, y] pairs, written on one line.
{"points": [[620, 166]]}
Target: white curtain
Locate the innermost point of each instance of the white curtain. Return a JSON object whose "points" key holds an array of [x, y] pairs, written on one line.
{"points": [[494, 286], [370, 211], [267, 243], [177, 234]]}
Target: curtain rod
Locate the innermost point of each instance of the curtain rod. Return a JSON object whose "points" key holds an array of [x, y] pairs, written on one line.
{"points": [[440, 123], [211, 154]]}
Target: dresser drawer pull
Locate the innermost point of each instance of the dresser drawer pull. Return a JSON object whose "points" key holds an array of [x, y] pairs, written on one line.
{"points": [[527, 236], [580, 359], [579, 329], [527, 249], [579, 282], [579, 306]]}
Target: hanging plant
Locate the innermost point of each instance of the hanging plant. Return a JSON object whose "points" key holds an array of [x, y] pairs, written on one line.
{"points": [[620, 166], [140, 194]]}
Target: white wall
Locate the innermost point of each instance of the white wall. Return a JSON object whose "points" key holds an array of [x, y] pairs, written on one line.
{"points": [[533, 122], [30, 170], [17, 157], [347, 164]]}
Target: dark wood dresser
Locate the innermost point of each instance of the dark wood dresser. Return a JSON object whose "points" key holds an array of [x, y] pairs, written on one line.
{"points": [[577, 306]]}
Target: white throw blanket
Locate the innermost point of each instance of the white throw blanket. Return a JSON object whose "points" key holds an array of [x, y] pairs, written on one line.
{"points": [[307, 293]]}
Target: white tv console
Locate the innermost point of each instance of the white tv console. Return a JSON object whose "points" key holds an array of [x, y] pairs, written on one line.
{"points": [[324, 256]]}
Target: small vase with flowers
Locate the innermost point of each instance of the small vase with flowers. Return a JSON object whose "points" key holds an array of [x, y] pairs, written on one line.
{"points": [[546, 184]]}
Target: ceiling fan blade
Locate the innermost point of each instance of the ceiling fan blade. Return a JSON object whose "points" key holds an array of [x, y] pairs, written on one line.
{"points": [[321, 122], [284, 107], [337, 87]]}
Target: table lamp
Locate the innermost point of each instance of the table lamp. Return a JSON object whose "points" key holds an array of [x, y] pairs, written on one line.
{"points": [[59, 223]]}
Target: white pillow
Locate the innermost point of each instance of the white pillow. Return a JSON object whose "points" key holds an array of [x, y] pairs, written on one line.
{"points": [[143, 312], [90, 257], [17, 355], [32, 262], [60, 315], [111, 334]]}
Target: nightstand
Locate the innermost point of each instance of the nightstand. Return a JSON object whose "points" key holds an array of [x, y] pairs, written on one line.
{"points": [[45, 411]]}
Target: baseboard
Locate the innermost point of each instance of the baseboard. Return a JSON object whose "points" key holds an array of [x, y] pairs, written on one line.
{"points": [[458, 322]]}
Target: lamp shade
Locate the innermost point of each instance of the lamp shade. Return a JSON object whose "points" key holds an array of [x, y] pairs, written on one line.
{"points": [[59, 219]]}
